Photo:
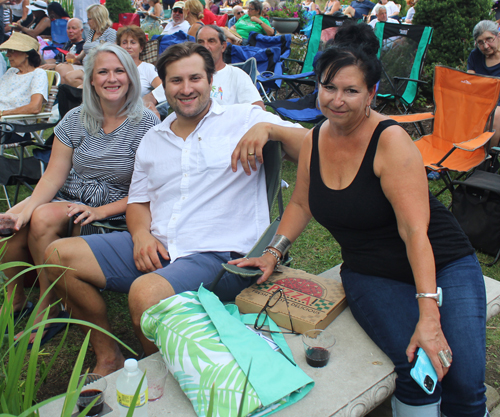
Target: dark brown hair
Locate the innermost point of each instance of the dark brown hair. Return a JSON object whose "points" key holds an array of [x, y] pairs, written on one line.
{"points": [[179, 51]]}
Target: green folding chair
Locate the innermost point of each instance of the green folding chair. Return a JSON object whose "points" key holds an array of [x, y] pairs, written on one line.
{"points": [[402, 53]]}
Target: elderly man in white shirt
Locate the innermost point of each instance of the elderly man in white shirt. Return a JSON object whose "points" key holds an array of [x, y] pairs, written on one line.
{"points": [[177, 22], [381, 13], [197, 199]]}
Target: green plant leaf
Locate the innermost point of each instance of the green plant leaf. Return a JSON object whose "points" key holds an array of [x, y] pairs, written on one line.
{"points": [[74, 388], [211, 403], [130, 411]]}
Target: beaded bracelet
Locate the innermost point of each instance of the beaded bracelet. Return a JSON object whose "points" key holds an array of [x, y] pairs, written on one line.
{"points": [[274, 253]]}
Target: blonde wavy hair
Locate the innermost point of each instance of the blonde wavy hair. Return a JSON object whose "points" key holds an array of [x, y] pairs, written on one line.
{"points": [[194, 7], [100, 15]]}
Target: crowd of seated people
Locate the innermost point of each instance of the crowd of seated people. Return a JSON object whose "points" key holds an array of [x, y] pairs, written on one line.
{"points": [[101, 31], [91, 173], [40, 25], [74, 30]]}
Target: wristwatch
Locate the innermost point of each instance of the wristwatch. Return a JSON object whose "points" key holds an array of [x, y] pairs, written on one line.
{"points": [[436, 296]]}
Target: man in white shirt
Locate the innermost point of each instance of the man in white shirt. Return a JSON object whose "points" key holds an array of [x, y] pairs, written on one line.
{"points": [[177, 22], [191, 205], [230, 85], [381, 13]]}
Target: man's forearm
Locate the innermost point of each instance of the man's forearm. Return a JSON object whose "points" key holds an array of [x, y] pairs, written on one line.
{"points": [[138, 218], [290, 137]]}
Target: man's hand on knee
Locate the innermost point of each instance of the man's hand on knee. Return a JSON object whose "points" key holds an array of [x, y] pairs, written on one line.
{"points": [[146, 249]]}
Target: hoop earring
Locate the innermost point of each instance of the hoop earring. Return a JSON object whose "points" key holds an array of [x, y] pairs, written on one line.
{"points": [[368, 111]]}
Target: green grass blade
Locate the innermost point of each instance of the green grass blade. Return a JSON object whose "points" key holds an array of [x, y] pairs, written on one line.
{"points": [[29, 392]]}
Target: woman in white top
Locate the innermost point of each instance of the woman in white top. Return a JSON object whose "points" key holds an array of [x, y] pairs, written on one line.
{"points": [[133, 40], [20, 11], [391, 7], [310, 6], [24, 87], [411, 10]]}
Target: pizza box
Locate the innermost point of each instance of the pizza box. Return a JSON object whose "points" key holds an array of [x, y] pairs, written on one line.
{"points": [[313, 301]]}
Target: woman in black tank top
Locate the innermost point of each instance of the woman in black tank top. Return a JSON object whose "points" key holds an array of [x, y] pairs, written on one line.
{"points": [[361, 177]]}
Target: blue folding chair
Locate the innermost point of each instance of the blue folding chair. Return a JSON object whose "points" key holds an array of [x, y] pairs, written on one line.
{"points": [[284, 42], [58, 32], [268, 62]]}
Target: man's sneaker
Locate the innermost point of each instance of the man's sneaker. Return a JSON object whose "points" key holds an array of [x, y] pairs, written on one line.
{"points": [[433, 175]]}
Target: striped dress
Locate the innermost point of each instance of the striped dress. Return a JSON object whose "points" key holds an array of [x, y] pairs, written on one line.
{"points": [[102, 164]]}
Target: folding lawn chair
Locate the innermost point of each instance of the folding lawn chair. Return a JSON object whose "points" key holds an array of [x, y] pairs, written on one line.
{"points": [[299, 109], [402, 53], [284, 42], [272, 166], [463, 122], [324, 28], [58, 32], [17, 166], [268, 62]]}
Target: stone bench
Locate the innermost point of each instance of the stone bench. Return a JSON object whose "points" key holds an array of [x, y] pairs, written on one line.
{"points": [[357, 379]]}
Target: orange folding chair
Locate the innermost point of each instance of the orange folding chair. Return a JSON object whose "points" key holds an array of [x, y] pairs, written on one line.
{"points": [[464, 107]]}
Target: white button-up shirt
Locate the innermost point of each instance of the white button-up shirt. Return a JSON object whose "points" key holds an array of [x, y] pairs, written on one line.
{"points": [[197, 203]]}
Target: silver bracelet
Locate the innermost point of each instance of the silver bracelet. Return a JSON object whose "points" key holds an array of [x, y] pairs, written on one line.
{"points": [[281, 243], [274, 253]]}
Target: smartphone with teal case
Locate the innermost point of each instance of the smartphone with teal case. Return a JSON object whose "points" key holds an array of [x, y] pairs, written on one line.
{"points": [[423, 372]]}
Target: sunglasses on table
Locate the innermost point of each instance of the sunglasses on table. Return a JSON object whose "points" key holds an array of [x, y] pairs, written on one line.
{"points": [[270, 303]]}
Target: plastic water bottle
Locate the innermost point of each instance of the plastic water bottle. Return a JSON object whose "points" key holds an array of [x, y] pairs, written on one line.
{"points": [[126, 385]]}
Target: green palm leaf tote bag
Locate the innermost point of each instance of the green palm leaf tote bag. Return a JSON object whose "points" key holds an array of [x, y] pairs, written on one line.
{"points": [[206, 344]]}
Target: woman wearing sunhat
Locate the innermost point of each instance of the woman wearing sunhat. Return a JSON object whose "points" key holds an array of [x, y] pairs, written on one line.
{"points": [[41, 21], [23, 88]]}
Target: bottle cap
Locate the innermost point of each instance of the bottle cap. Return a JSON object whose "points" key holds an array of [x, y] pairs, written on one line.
{"points": [[130, 365]]}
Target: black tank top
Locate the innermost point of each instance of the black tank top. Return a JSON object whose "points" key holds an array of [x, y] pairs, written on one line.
{"points": [[363, 222], [46, 31]]}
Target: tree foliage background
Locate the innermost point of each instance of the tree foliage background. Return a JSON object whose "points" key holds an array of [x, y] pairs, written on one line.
{"points": [[118, 6]]}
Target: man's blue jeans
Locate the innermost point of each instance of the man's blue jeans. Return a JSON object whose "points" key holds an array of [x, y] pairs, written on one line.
{"points": [[388, 311]]}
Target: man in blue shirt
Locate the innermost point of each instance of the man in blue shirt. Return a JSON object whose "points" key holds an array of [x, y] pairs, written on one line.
{"points": [[237, 13], [362, 7]]}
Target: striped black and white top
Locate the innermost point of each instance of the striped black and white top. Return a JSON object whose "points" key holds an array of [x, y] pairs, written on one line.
{"points": [[102, 164]]}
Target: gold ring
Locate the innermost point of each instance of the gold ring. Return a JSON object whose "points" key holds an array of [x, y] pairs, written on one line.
{"points": [[251, 153]]}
